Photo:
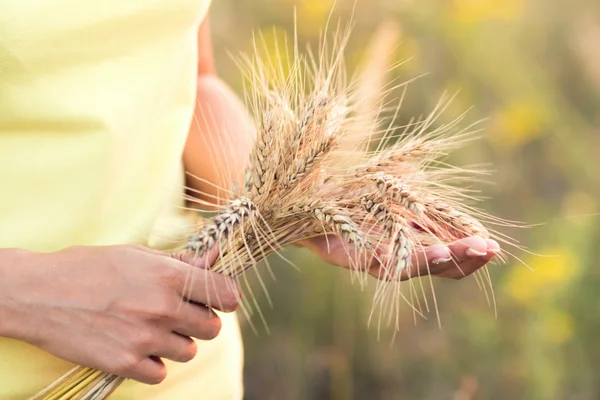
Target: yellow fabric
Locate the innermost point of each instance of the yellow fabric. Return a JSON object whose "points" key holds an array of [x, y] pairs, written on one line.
{"points": [[95, 103]]}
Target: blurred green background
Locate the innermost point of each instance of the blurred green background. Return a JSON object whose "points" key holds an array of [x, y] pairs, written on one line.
{"points": [[532, 68]]}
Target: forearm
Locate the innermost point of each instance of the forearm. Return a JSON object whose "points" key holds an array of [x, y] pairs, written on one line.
{"points": [[220, 139]]}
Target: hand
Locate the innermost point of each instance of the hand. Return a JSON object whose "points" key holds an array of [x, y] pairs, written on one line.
{"points": [[454, 261], [118, 308]]}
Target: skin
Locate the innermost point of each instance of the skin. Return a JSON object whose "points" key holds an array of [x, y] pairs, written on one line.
{"points": [[455, 261], [222, 131], [103, 310]]}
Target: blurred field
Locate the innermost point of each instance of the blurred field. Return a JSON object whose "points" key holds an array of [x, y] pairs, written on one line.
{"points": [[532, 68]]}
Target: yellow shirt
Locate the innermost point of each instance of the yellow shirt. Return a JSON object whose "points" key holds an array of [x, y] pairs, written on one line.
{"points": [[96, 99]]}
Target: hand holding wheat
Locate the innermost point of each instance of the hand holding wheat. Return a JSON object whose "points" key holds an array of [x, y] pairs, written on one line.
{"points": [[103, 311], [455, 261]]}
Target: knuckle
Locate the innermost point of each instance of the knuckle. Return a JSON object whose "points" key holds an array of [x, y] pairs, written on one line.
{"points": [[163, 307], [125, 363], [144, 340], [170, 275]]}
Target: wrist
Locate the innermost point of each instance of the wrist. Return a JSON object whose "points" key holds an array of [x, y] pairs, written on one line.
{"points": [[13, 264]]}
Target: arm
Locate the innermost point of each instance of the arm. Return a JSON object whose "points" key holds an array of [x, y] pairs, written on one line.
{"points": [[221, 136]]}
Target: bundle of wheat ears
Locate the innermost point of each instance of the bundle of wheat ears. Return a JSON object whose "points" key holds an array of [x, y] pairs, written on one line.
{"points": [[323, 163]]}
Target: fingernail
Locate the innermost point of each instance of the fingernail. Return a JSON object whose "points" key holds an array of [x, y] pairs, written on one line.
{"points": [[441, 260], [475, 253], [493, 246]]}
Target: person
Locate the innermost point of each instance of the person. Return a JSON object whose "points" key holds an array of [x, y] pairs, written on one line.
{"points": [[99, 121]]}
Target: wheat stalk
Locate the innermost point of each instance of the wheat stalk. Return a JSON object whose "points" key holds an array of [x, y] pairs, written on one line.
{"points": [[299, 184]]}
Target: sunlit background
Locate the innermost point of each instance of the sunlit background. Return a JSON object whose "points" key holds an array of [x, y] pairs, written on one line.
{"points": [[532, 69]]}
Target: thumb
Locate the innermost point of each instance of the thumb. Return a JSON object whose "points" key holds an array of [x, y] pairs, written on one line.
{"points": [[200, 260]]}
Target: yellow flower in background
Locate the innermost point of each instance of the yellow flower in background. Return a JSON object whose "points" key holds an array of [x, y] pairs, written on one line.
{"points": [[517, 124], [473, 11], [557, 326], [550, 273]]}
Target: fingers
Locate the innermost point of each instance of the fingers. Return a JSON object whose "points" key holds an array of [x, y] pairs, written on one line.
{"points": [[474, 256], [432, 255], [196, 320], [149, 370], [176, 347], [211, 289], [455, 261], [471, 247], [423, 262], [467, 256], [203, 261], [461, 270], [493, 247], [196, 284]]}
